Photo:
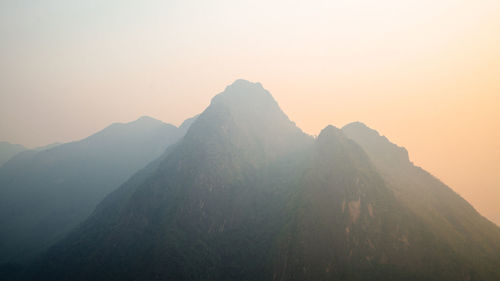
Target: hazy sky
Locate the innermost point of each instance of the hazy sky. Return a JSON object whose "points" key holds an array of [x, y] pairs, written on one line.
{"points": [[424, 73]]}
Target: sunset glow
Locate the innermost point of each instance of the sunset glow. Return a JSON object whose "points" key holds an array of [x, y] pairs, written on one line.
{"points": [[426, 74]]}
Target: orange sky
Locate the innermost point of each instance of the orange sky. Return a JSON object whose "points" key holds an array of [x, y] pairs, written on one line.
{"points": [[424, 73]]}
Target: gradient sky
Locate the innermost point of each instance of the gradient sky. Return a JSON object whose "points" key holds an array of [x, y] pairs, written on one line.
{"points": [[424, 73]]}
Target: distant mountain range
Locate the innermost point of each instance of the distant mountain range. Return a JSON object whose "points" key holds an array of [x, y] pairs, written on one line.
{"points": [[9, 150], [246, 195], [46, 192]]}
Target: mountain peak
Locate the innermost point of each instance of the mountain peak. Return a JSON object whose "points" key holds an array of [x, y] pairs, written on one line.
{"points": [[245, 93], [242, 83], [334, 140], [330, 130], [246, 115], [378, 146], [147, 120], [249, 103], [360, 126]]}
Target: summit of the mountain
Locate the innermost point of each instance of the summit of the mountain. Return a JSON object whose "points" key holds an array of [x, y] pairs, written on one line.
{"points": [[376, 144]]}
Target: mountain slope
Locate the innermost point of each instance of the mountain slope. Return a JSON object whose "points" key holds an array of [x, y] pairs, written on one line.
{"points": [[220, 185], [8, 150], [44, 194], [246, 195], [448, 215]]}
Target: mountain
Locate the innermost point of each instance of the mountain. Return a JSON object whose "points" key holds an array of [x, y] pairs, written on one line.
{"points": [[44, 193], [449, 217], [183, 128], [8, 150], [246, 195], [48, 146]]}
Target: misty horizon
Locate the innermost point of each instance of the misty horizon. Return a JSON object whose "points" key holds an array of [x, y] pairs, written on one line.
{"points": [[492, 215], [70, 69], [249, 140]]}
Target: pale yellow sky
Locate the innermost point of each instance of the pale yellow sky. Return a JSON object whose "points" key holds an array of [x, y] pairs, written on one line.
{"points": [[424, 73]]}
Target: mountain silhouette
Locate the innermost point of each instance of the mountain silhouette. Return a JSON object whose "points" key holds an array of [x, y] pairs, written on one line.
{"points": [[44, 193], [246, 195], [451, 219], [8, 150]]}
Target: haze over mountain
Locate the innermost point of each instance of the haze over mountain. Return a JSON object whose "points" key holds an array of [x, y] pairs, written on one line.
{"points": [[454, 221], [423, 72], [44, 193], [7, 150], [246, 195]]}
